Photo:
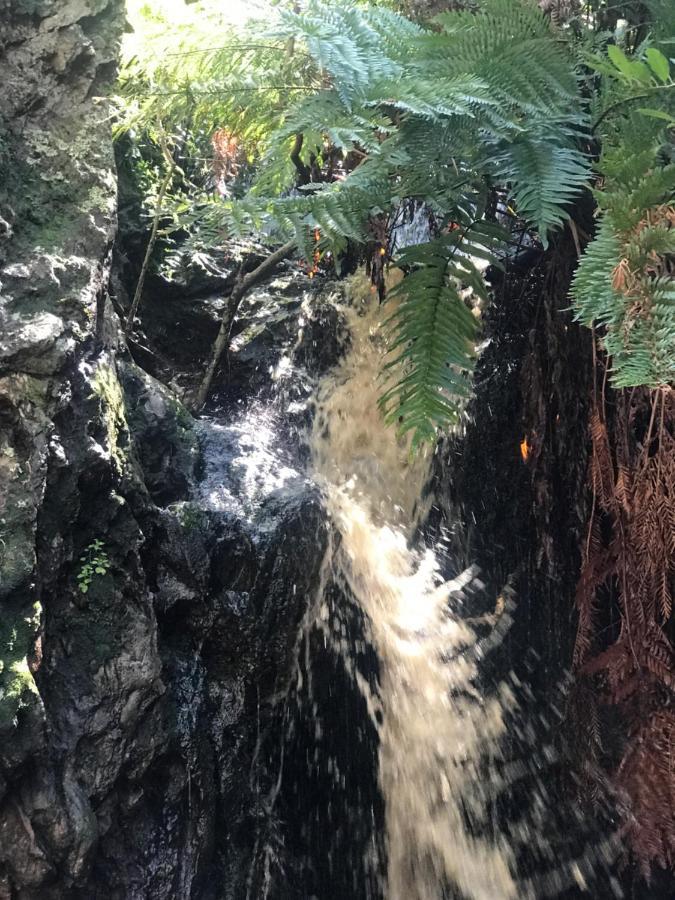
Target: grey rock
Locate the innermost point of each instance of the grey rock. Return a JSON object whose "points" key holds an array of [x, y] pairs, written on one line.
{"points": [[131, 714], [36, 345]]}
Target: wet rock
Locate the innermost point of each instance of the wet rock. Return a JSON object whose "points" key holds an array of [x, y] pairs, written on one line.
{"points": [[163, 433], [147, 632]]}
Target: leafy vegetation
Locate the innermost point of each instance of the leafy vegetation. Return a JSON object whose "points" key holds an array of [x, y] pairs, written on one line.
{"points": [[432, 332], [314, 129], [95, 561], [362, 109], [323, 121], [17, 638], [624, 282]]}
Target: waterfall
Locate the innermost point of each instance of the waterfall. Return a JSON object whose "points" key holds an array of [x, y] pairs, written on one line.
{"points": [[393, 776], [435, 729]]}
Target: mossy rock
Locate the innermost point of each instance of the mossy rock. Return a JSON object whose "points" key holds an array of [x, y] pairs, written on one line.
{"points": [[191, 516], [17, 685], [113, 411]]}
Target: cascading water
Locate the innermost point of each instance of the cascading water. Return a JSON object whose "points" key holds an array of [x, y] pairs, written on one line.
{"points": [[396, 751], [434, 728], [385, 774]]}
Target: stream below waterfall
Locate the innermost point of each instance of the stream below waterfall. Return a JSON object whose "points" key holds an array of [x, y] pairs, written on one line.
{"points": [[396, 753]]}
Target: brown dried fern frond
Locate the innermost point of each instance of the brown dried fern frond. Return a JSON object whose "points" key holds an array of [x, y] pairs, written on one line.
{"points": [[647, 776], [629, 560]]}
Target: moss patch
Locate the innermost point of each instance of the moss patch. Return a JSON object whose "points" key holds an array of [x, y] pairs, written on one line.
{"points": [[190, 516], [108, 389], [17, 685]]}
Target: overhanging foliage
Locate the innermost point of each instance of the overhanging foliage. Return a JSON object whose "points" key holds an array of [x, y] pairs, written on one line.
{"points": [[346, 110]]}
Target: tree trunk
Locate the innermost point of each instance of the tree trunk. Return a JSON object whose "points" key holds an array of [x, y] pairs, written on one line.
{"points": [[239, 291]]}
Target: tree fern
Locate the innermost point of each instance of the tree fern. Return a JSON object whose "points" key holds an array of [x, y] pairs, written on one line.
{"points": [[485, 75], [433, 115]]}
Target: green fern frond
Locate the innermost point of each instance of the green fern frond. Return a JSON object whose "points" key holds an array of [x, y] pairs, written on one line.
{"points": [[637, 319], [626, 198], [433, 332], [340, 210], [462, 95], [545, 178], [344, 44], [595, 300], [624, 283], [323, 115], [510, 46]]}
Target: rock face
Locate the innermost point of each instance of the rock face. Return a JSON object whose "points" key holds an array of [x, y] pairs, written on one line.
{"points": [[147, 625], [56, 229], [57, 208]]}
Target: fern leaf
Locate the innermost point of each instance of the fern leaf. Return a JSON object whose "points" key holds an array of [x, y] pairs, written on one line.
{"points": [[433, 332], [545, 178]]}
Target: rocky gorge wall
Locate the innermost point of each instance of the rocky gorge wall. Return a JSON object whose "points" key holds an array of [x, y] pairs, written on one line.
{"points": [[133, 715]]}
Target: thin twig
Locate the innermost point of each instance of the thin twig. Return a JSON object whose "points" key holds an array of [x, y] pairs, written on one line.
{"points": [[243, 285], [233, 47], [159, 209], [601, 118], [661, 430], [648, 438]]}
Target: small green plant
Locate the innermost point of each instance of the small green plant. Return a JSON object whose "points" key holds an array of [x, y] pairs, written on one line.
{"points": [[95, 561]]}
